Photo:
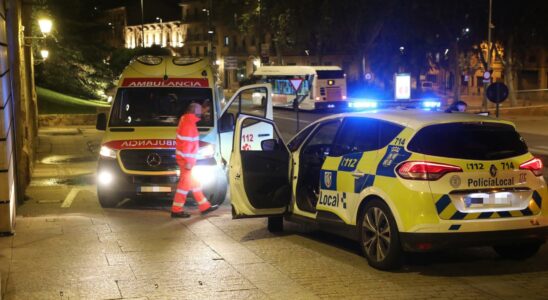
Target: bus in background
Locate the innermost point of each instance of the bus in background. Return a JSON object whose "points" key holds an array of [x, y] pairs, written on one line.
{"points": [[323, 87]]}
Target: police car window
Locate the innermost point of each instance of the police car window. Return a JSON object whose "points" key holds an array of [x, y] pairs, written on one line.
{"points": [[479, 141], [358, 135], [159, 106], [296, 142], [250, 102], [325, 134], [364, 134], [388, 132]]}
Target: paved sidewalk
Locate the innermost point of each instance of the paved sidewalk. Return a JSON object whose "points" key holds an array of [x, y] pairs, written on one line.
{"points": [[77, 250]]}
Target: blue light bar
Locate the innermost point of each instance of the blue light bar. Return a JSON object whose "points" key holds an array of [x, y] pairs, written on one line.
{"points": [[431, 104], [362, 104]]}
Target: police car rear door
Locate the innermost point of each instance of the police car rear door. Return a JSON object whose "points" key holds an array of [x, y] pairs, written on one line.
{"points": [[252, 100], [259, 176]]}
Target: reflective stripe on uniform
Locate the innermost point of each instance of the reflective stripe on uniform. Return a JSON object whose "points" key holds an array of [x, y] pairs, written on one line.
{"points": [[185, 154], [183, 192], [187, 138], [202, 202], [178, 204]]}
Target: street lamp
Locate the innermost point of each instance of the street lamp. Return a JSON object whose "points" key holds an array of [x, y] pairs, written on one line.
{"points": [[45, 26], [159, 19], [44, 53]]}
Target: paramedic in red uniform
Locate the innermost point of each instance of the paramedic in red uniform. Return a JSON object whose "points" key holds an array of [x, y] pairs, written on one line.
{"points": [[186, 151]]}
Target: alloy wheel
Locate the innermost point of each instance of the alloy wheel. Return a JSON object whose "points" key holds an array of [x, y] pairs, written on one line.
{"points": [[376, 231]]}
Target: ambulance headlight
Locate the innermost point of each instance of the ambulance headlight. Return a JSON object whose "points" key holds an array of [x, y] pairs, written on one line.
{"points": [[204, 174], [104, 178], [206, 152], [107, 152]]}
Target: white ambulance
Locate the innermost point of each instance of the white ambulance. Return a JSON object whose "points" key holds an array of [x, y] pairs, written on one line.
{"points": [[137, 154]]}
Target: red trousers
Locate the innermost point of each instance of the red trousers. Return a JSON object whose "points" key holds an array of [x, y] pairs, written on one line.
{"points": [[188, 184]]}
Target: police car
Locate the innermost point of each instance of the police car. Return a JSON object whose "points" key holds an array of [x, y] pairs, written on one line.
{"points": [[396, 181]]}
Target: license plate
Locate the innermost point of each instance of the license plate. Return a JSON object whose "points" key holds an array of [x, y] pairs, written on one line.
{"points": [[484, 200], [155, 189]]}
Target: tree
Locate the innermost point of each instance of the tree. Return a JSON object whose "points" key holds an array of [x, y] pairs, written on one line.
{"points": [[519, 29]]}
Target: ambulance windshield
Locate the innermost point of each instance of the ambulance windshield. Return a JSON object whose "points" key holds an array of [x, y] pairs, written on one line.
{"points": [[159, 106]]}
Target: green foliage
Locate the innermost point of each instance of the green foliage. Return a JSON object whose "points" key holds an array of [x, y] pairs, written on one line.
{"points": [[76, 64]]}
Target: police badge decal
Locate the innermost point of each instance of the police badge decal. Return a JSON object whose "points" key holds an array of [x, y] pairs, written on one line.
{"points": [[327, 179]]}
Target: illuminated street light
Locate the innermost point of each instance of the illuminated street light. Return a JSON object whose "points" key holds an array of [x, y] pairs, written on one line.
{"points": [[44, 53], [45, 26]]}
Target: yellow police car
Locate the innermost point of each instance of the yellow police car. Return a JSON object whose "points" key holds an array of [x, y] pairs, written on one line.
{"points": [[396, 181]]}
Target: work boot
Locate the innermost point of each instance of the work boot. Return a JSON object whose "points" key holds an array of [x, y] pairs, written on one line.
{"points": [[210, 209], [182, 214]]}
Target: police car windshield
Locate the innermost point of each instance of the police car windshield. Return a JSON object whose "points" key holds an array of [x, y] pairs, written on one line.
{"points": [[159, 106]]}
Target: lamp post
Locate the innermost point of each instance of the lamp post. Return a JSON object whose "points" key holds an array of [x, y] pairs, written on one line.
{"points": [[210, 31], [45, 26], [489, 50]]}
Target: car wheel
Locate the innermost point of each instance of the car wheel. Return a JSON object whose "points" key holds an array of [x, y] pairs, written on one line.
{"points": [[275, 224], [218, 197], [380, 237], [108, 199], [518, 251]]}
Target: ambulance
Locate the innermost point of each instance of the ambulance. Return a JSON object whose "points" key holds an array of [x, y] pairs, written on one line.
{"points": [[137, 153], [397, 181]]}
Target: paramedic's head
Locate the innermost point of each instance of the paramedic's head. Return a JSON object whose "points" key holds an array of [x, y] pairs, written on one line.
{"points": [[195, 108]]}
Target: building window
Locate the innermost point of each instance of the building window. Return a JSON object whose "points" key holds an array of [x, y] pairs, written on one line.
{"points": [[227, 40], [197, 51], [205, 51]]}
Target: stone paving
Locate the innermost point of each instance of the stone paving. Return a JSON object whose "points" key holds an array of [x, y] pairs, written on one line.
{"points": [[78, 250]]}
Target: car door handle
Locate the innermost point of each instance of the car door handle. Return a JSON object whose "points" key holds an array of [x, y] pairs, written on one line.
{"points": [[357, 174]]}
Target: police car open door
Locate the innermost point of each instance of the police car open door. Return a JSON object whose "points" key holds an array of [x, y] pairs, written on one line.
{"points": [[258, 176], [252, 100]]}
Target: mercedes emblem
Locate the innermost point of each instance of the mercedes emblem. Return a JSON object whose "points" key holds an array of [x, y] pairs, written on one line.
{"points": [[154, 159]]}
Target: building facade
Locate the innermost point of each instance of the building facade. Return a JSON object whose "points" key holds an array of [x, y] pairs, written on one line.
{"points": [[18, 111]]}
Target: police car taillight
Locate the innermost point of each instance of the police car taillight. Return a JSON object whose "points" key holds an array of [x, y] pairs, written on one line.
{"points": [[534, 165], [422, 170]]}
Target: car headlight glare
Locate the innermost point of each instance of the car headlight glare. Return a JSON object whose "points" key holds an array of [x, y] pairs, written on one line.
{"points": [[107, 152], [206, 151], [104, 178], [203, 174]]}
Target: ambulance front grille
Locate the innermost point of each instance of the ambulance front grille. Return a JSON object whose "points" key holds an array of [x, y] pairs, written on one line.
{"points": [[149, 160]]}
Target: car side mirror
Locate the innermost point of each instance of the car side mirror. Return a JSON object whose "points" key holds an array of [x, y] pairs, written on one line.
{"points": [[226, 123], [270, 145], [101, 122]]}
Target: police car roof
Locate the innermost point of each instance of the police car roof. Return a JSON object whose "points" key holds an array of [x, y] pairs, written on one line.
{"points": [[417, 118]]}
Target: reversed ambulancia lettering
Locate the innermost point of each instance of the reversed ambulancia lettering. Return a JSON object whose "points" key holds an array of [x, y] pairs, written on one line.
{"points": [[172, 82], [164, 143]]}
